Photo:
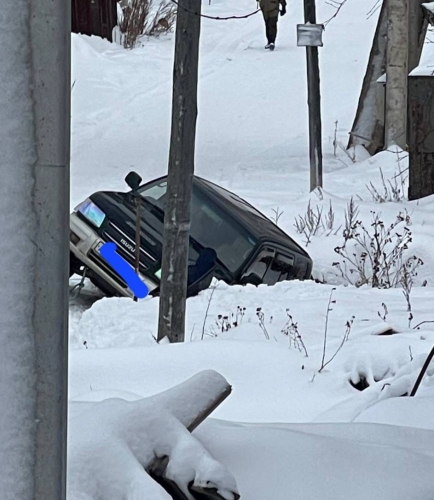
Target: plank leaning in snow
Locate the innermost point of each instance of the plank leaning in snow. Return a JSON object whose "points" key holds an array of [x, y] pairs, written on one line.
{"points": [[112, 442]]}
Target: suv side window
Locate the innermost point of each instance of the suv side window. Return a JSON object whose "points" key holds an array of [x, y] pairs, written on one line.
{"points": [[212, 228], [270, 268]]}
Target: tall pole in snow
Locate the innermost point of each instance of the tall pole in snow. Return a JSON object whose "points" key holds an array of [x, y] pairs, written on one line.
{"points": [[396, 73], [173, 291], [34, 246], [314, 101]]}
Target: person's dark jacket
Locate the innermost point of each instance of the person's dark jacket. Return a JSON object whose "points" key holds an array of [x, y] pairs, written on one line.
{"points": [[270, 8]]}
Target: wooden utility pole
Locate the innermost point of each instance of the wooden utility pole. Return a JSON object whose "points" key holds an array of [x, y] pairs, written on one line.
{"points": [[171, 322], [314, 101], [397, 73]]}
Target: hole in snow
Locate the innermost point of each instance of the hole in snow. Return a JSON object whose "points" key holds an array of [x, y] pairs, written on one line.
{"points": [[362, 383], [388, 331]]}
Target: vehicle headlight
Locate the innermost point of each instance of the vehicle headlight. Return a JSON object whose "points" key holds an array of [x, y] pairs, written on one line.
{"points": [[91, 211]]}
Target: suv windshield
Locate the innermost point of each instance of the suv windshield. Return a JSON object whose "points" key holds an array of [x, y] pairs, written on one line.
{"points": [[211, 227]]}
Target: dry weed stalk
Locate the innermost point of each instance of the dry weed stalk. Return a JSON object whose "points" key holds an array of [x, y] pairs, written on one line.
{"points": [[391, 190], [261, 317], [291, 330], [345, 338]]}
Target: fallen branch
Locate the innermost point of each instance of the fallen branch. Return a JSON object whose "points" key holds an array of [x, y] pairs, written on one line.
{"points": [[422, 372], [422, 323]]}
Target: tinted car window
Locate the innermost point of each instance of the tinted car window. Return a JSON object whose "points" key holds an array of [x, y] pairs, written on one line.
{"points": [[271, 269], [210, 227], [155, 193]]}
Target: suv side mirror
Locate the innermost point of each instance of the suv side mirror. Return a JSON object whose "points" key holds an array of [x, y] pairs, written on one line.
{"points": [[133, 180]]}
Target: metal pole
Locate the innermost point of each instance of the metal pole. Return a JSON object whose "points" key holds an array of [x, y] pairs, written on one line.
{"points": [[314, 102], [171, 322], [34, 248]]}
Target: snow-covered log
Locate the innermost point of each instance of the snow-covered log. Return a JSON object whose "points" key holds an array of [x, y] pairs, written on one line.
{"points": [[114, 443]]}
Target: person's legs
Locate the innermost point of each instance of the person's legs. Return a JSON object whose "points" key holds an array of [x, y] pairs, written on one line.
{"points": [[272, 29], [267, 28]]}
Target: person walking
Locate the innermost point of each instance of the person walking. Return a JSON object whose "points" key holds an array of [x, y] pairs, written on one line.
{"points": [[270, 11]]}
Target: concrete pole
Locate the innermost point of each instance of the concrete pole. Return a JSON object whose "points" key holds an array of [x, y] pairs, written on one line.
{"points": [[34, 247], [397, 73]]}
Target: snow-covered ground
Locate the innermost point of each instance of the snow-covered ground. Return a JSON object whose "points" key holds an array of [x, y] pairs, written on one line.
{"points": [[303, 434]]}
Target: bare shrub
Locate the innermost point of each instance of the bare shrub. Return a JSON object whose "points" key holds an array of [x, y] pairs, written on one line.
{"points": [[351, 214], [141, 18], [375, 256], [314, 223], [163, 20], [223, 322], [290, 329], [392, 190], [310, 223]]}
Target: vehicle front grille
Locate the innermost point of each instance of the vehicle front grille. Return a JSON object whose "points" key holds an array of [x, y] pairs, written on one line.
{"points": [[115, 234], [96, 258]]}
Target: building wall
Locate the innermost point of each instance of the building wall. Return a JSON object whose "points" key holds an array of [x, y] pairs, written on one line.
{"points": [[94, 17]]}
